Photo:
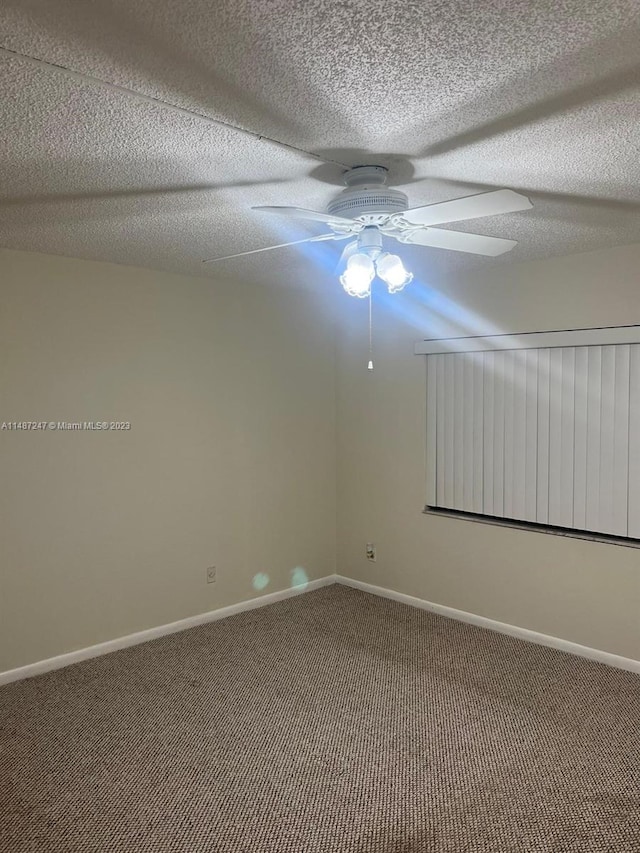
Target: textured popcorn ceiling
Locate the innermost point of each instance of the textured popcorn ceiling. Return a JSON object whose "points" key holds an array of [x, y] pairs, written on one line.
{"points": [[455, 96]]}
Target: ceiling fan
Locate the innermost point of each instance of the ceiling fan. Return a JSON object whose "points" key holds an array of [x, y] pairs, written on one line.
{"points": [[368, 211]]}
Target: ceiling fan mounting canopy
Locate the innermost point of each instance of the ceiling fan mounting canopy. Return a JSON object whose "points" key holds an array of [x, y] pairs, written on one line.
{"points": [[365, 176]]}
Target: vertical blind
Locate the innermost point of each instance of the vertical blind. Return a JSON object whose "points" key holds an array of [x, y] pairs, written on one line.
{"points": [[546, 435]]}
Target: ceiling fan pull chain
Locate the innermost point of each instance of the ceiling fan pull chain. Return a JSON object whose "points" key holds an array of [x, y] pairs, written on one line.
{"points": [[370, 364]]}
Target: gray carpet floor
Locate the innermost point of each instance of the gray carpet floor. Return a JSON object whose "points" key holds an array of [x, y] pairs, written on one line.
{"points": [[335, 722]]}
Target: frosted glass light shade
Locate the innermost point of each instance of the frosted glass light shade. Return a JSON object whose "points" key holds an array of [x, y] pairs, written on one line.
{"points": [[359, 274], [392, 271]]}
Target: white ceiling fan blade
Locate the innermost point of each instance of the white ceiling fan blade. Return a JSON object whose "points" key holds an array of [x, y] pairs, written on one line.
{"points": [[457, 241], [279, 246], [301, 213], [469, 207]]}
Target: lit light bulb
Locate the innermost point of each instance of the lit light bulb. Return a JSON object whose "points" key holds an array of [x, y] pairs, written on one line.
{"points": [[391, 270], [359, 274]]}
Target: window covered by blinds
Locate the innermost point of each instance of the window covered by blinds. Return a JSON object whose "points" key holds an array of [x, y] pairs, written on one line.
{"points": [[548, 435]]}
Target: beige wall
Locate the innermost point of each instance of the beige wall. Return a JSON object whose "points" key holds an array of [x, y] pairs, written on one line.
{"points": [[582, 591], [230, 459]]}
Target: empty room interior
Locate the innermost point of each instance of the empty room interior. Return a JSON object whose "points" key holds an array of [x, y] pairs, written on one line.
{"points": [[320, 426]]}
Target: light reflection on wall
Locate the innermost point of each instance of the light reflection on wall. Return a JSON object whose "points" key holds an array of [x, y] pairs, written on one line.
{"points": [[299, 578], [431, 312], [322, 256], [260, 581]]}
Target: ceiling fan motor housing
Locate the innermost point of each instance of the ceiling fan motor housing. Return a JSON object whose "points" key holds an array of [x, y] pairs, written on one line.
{"points": [[366, 196]]}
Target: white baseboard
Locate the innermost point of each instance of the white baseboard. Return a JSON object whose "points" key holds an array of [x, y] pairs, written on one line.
{"points": [[153, 633], [617, 661], [61, 661]]}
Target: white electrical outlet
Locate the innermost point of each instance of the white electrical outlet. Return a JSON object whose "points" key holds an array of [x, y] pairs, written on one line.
{"points": [[211, 574], [371, 552]]}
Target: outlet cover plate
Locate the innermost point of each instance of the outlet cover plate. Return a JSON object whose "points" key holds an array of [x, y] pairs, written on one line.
{"points": [[211, 574], [371, 552]]}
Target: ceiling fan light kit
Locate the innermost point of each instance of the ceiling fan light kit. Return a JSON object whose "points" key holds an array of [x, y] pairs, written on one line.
{"points": [[370, 212]]}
